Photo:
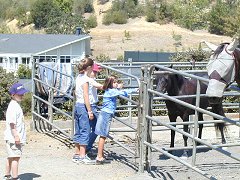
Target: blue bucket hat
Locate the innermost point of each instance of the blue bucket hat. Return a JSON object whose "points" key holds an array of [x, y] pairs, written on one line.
{"points": [[18, 88]]}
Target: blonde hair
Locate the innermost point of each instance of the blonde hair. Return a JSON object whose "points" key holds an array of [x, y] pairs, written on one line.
{"points": [[84, 64]]}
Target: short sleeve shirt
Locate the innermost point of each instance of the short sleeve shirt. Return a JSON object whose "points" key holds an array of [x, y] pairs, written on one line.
{"points": [[80, 80], [14, 115]]}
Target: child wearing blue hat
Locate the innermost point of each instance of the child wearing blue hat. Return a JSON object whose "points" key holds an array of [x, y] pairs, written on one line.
{"points": [[15, 133]]}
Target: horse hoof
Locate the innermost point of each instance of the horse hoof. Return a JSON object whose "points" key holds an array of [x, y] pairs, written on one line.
{"points": [[184, 155]]}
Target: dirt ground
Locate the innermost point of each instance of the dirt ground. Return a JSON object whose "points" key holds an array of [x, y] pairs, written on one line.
{"points": [[49, 157]]}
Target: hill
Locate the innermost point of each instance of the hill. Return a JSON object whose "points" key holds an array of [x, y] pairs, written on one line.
{"points": [[143, 36]]}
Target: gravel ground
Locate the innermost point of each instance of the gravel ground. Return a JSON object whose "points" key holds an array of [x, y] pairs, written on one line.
{"points": [[47, 158]]}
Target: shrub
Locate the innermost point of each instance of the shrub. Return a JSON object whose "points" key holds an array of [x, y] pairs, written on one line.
{"points": [[107, 19], [190, 56], [150, 13], [24, 72], [26, 103], [7, 79], [119, 17], [217, 18], [40, 12], [192, 15], [91, 22]]}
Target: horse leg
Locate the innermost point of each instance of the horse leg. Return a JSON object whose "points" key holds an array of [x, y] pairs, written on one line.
{"points": [[200, 118], [172, 118], [218, 109], [185, 138]]}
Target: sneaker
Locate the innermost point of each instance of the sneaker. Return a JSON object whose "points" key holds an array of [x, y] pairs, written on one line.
{"points": [[86, 160], [76, 158], [102, 161], [18, 178], [7, 177], [91, 153]]}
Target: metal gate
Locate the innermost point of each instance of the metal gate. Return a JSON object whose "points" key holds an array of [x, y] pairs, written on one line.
{"points": [[146, 146], [143, 104]]}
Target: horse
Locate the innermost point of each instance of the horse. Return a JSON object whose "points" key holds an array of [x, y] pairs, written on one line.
{"points": [[223, 69], [177, 85]]}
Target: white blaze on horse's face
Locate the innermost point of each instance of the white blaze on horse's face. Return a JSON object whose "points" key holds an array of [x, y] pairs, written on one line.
{"points": [[221, 71]]}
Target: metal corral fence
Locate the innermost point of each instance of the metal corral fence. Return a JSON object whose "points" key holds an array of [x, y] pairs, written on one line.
{"points": [[46, 121], [146, 146], [133, 75]]}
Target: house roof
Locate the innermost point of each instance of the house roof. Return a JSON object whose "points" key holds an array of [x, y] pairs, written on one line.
{"points": [[35, 43]]}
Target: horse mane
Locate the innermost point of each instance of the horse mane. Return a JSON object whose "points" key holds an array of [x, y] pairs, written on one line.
{"points": [[219, 49], [177, 81]]}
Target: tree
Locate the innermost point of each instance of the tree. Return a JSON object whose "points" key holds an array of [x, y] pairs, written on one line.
{"points": [[40, 12], [217, 18], [64, 23]]}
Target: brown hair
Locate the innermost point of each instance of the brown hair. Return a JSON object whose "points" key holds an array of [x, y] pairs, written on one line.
{"points": [[82, 66], [108, 84]]}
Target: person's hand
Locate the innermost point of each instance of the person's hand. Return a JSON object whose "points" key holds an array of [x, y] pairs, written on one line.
{"points": [[120, 86], [90, 115], [17, 140]]}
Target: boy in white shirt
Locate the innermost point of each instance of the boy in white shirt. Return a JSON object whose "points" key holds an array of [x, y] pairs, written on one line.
{"points": [[15, 133]]}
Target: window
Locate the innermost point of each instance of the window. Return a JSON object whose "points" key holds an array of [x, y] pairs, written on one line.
{"points": [[65, 59]]}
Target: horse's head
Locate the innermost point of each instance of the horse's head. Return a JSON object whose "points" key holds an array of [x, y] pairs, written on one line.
{"points": [[162, 81], [221, 70]]}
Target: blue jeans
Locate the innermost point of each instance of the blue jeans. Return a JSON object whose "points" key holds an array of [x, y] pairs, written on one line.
{"points": [[92, 136], [82, 126], [103, 124]]}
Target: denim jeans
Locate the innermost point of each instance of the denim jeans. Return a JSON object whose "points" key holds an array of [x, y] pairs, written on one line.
{"points": [[92, 136], [103, 124], [82, 125]]}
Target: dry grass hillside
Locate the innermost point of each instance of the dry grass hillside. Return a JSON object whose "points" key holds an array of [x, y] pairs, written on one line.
{"points": [[110, 40]]}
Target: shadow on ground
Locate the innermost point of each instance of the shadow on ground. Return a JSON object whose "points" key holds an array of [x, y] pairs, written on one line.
{"points": [[29, 176]]}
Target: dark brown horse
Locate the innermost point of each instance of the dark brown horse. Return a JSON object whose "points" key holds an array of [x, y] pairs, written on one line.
{"points": [[177, 85]]}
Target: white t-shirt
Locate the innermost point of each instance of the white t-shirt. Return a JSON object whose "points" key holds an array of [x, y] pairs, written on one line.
{"points": [[93, 91], [15, 115], [80, 80]]}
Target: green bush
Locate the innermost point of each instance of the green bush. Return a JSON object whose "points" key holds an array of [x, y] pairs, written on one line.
{"points": [[119, 17], [150, 13], [217, 18], [107, 19], [24, 72], [41, 12], [190, 56], [91, 22], [192, 15], [26, 103], [7, 79]]}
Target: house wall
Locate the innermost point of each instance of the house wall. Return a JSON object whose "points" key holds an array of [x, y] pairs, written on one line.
{"points": [[76, 50], [11, 62], [65, 54]]}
